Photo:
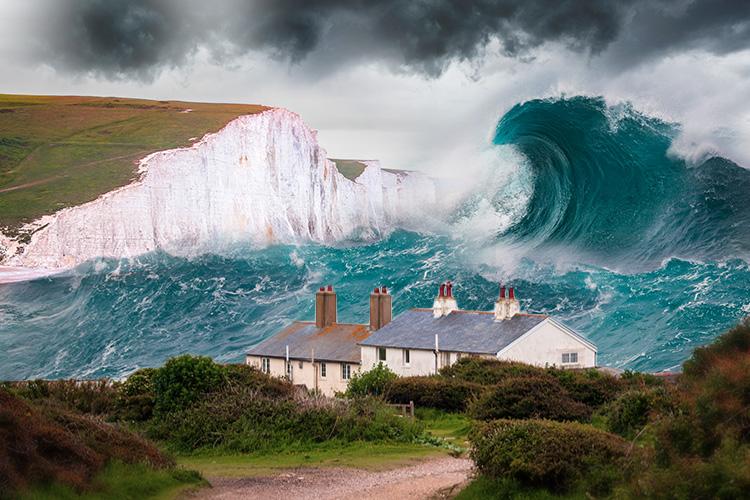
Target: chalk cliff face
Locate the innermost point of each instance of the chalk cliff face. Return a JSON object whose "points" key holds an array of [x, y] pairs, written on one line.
{"points": [[262, 179]]}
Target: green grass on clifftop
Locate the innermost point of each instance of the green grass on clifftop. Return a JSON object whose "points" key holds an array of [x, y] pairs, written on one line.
{"points": [[60, 151]]}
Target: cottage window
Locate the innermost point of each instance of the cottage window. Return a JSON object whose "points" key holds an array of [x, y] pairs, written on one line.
{"points": [[289, 370], [322, 370], [300, 365], [407, 357], [346, 371], [569, 358], [265, 365], [381, 353]]}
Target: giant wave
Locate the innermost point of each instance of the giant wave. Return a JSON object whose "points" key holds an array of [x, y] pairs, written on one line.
{"points": [[655, 255]]}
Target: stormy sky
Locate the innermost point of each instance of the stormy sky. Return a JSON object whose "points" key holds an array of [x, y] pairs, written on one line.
{"points": [[418, 84]]}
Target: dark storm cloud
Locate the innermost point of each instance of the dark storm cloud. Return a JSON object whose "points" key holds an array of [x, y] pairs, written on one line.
{"points": [[119, 38]]}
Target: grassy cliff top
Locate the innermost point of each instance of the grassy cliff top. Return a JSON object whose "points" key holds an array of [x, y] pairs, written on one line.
{"points": [[61, 151]]}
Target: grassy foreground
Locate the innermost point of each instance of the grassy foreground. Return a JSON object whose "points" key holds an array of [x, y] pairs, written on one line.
{"points": [[60, 151]]}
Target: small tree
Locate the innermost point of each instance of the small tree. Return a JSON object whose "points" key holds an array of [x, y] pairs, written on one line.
{"points": [[183, 380], [370, 383]]}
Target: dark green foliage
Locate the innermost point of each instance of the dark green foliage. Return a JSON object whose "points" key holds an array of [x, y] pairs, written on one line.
{"points": [[371, 383], [434, 392], [630, 412], [528, 397], [183, 380], [488, 371], [252, 378], [555, 455], [242, 419], [136, 397], [590, 387]]}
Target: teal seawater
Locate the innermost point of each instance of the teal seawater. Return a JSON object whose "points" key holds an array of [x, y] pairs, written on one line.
{"points": [[641, 252]]}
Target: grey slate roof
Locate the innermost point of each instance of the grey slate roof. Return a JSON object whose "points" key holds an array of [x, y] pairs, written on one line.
{"points": [[339, 342], [474, 332]]}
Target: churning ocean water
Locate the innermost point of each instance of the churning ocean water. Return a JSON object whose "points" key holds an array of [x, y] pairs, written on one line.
{"points": [[586, 213]]}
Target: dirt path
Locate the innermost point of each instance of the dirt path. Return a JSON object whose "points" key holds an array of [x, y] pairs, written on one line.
{"points": [[434, 478]]}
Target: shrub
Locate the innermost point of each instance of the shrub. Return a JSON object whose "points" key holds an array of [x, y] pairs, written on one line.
{"points": [[528, 397], [135, 396], [488, 371], [630, 412], [252, 378], [183, 380], [96, 397], [371, 383], [590, 386], [241, 419], [434, 392], [732, 344], [44, 442], [555, 455]]}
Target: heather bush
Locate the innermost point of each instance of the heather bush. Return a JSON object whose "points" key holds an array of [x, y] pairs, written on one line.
{"points": [[96, 397], [433, 392], [542, 453], [183, 380], [252, 378], [371, 383], [528, 397]]}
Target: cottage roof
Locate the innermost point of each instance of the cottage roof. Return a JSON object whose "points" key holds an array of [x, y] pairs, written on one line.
{"points": [[337, 342], [474, 332]]}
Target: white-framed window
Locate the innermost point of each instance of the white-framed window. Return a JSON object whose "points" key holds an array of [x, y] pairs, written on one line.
{"points": [[381, 353], [322, 369], [300, 365], [407, 357], [445, 359], [289, 370], [346, 371], [265, 365], [569, 358]]}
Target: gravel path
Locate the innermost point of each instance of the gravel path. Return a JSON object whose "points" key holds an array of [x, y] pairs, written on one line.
{"points": [[434, 478]]}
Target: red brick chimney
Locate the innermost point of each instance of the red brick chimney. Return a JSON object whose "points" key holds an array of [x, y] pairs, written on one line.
{"points": [[381, 308], [325, 307]]}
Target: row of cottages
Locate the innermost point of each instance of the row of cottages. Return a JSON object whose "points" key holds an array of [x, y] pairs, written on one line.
{"points": [[324, 354]]}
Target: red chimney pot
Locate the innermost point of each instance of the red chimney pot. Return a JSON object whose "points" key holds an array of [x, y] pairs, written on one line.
{"points": [[450, 289], [377, 290], [330, 288], [322, 289], [511, 294], [502, 292], [384, 290], [442, 290]]}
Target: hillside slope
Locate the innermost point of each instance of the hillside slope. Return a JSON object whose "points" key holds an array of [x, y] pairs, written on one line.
{"points": [[61, 151]]}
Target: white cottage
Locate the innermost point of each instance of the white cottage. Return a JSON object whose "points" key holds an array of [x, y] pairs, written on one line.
{"points": [[421, 341], [324, 354]]}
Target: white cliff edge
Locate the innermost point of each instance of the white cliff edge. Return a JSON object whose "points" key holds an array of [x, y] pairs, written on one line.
{"points": [[262, 179]]}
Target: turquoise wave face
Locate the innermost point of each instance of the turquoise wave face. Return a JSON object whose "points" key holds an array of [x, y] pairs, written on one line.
{"points": [[655, 261]]}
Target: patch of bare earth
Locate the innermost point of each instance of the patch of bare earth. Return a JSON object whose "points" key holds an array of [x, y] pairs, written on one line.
{"points": [[434, 478]]}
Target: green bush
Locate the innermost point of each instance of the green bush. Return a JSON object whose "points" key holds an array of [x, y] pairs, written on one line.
{"points": [[242, 419], [95, 397], [371, 383], [590, 386], [136, 397], [252, 378], [542, 453], [433, 392], [488, 371], [528, 397], [183, 380], [630, 412], [734, 343]]}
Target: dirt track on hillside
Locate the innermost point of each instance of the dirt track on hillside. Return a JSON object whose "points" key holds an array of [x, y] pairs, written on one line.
{"points": [[433, 478]]}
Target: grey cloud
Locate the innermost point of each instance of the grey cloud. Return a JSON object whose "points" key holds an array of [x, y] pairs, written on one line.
{"points": [[122, 39]]}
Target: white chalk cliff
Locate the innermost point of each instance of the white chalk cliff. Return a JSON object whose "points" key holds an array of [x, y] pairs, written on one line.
{"points": [[262, 179]]}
